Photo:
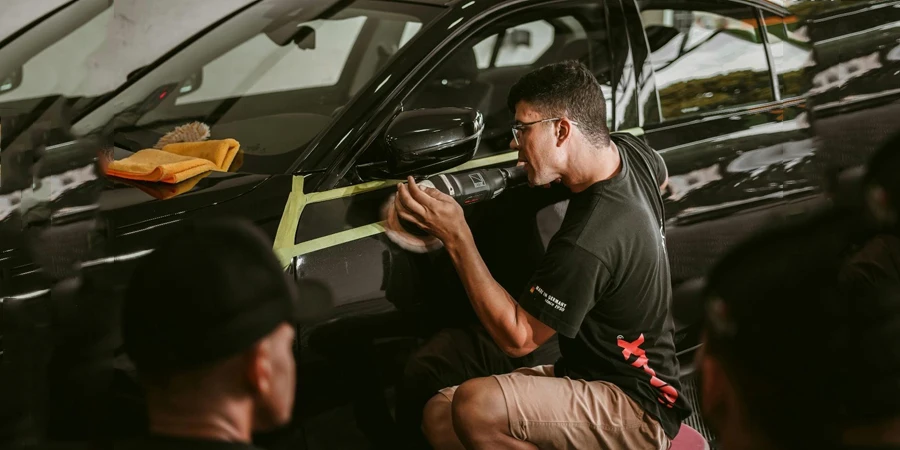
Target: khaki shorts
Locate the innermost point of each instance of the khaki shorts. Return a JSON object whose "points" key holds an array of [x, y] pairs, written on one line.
{"points": [[563, 413]]}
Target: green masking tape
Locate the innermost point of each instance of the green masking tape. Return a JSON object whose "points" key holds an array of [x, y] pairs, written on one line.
{"points": [[286, 254], [290, 218], [350, 191], [285, 248], [356, 189], [483, 162]]}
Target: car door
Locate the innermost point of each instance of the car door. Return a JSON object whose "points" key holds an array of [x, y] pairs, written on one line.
{"points": [[339, 237], [842, 58], [715, 118], [805, 170]]}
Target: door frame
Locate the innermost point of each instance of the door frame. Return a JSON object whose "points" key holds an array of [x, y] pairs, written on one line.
{"points": [[773, 74], [342, 164]]}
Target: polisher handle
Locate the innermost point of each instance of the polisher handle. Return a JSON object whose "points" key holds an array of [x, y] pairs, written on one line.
{"points": [[466, 188], [477, 185]]}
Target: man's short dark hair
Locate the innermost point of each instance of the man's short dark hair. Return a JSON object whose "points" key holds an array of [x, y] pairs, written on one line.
{"points": [[565, 89]]}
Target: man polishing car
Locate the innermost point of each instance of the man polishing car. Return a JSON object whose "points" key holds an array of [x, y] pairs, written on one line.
{"points": [[603, 285]]}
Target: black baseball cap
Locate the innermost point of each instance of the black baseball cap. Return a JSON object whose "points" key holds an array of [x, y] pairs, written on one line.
{"points": [[207, 292]]}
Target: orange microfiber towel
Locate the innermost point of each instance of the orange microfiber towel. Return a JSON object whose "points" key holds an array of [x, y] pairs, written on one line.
{"points": [[220, 152], [157, 165]]}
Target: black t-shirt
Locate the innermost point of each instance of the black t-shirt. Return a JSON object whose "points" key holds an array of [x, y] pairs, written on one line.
{"points": [[159, 442], [604, 286]]}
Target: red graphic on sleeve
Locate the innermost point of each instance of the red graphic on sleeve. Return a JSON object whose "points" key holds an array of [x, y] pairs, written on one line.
{"points": [[667, 394]]}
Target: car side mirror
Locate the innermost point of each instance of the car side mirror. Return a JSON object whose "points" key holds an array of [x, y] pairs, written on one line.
{"points": [[11, 81], [427, 141]]}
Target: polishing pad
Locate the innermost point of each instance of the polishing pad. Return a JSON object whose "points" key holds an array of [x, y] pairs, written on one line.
{"points": [[409, 237]]}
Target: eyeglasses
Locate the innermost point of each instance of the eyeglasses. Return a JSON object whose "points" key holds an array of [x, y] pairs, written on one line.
{"points": [[517, 128]]}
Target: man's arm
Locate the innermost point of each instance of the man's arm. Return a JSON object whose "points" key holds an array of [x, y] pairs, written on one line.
{"points": [[514, 330]]}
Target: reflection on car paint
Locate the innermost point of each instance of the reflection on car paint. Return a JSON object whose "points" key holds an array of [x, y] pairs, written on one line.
{"points": [[839, 74], [117, 258], [46, 189], [681, 185], [9, 203], [29, 295]]}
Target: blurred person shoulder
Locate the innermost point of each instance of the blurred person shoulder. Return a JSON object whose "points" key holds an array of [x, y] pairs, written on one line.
{"points": [[877, 261]]}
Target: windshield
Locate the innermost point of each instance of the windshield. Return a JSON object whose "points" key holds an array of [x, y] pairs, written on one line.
{"points": [[50, 58], [86, 49], [271, 82]]}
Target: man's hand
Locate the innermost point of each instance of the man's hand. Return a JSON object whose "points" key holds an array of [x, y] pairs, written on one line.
{"points": [[431, 210], [512, 328]]}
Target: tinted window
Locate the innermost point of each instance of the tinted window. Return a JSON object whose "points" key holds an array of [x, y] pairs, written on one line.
{"points": [[62, 67], [273, 83], [480, 73], [791, 53], [261, 66], [286, 66], [707, 60]]}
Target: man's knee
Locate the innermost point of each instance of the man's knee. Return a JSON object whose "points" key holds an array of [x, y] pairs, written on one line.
{"points": [[437, 424], [479, 409]]}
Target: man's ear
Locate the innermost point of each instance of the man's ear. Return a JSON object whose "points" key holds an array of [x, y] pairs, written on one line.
{"points": [[258, 366], [563, 131]]}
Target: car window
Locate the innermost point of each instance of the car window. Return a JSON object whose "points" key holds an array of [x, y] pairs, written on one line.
{"points": [[524, 44], [271, 83], [792, 54], [260, 65], [90, 48], [707, 60], [61, 67], [480, 73]]}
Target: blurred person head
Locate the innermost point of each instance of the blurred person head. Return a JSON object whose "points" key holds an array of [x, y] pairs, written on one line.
{"points": [[793, 358], [828, 289], [872, 190], [560, 113], [208, 322], [881, 185]]}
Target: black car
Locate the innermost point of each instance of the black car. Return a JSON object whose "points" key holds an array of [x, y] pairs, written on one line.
{"points": [[751, 104]]}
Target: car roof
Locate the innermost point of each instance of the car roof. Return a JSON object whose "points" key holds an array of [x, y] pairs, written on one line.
{"points": [[431, 2], [767, 5], [771, 5]]}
